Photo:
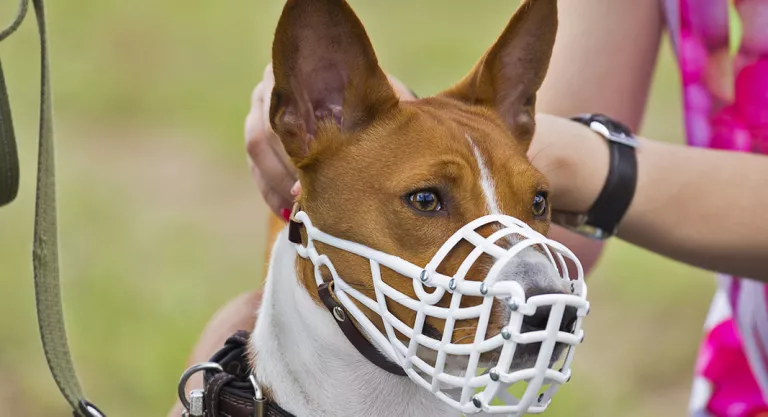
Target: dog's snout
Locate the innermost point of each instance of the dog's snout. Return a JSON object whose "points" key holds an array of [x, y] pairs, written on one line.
{"points": [[538, 276], [538, 321], [569, 319], [535, 273]]}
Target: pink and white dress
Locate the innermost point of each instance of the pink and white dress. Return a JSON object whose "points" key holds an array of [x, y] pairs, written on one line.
{"points": [[724, 70]]}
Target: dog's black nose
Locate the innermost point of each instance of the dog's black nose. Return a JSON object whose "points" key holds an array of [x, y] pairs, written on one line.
{"points": [[538, 321]]}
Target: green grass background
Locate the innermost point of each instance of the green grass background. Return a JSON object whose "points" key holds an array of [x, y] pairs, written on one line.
{"points": [[161, 223]]}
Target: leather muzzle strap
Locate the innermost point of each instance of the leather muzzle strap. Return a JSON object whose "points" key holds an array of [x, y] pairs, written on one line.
{"points": [[294, 231], [354, 336], [343, 319]]}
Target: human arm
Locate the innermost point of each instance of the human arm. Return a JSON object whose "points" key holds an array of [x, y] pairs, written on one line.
{"points": [[703, 207], [602, 63]]}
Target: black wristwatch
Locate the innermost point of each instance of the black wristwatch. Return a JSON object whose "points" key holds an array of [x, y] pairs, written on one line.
{"points": [[601, 220]]}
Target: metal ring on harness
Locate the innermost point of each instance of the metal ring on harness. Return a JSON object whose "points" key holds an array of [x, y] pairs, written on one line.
{"points": [[188, 374]]}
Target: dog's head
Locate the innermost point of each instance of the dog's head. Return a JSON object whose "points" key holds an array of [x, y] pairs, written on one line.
{"points": [[404, 177]]}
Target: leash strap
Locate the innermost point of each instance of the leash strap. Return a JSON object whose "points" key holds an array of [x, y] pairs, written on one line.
{"points": [[45, 251], [9, 160]]}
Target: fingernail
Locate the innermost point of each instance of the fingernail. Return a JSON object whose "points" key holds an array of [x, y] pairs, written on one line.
{"points": [[296, 189], [286, 213]]}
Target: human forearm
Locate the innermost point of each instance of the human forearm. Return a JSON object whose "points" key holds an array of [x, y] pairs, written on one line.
{"points": [[600, 64], [702, 207], [589, 49]]}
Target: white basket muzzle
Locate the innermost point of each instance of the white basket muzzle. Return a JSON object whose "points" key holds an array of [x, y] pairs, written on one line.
{"points": [[514, 370]]}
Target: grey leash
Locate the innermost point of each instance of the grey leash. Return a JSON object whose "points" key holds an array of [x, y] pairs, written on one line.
{"points": [[45, 250]]}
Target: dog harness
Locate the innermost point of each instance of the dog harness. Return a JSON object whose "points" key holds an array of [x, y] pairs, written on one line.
{"points": [[230, 389]]}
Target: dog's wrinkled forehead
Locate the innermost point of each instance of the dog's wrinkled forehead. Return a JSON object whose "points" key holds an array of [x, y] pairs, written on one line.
{"points": [[468, 148], [463, 152]]}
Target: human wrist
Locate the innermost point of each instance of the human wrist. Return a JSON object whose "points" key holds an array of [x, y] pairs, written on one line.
{"points": [[574, 159]]}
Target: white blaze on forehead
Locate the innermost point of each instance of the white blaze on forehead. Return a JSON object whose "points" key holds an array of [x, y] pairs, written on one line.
{"points": [[486, 182]]}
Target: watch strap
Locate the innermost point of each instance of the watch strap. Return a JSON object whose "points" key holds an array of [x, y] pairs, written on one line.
{"points": [[618, 191], [614, 199]]}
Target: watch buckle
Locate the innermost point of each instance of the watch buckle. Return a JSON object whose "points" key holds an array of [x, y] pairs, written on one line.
{"points": [[577, 222], [613, 136]]}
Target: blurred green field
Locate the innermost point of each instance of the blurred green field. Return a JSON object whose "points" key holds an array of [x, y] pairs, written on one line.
{"points": [[161, 223]]}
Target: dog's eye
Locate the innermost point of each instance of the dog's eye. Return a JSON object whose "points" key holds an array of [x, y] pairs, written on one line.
{"points": [[425, 201], [540, 205]]}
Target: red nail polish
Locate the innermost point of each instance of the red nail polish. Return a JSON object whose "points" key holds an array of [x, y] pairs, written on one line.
{"points": [[286, 213]]}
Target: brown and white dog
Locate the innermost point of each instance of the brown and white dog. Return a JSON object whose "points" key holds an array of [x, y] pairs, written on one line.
{"points": [[386, 184]]}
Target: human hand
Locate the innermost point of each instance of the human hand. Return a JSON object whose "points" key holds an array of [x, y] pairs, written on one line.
{"points": [[574, 159], [270, 165]]}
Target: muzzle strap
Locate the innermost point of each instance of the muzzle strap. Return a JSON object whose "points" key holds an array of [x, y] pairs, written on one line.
{"points": [[294, 232], [344, 320], [294, 227], [340, 314]]}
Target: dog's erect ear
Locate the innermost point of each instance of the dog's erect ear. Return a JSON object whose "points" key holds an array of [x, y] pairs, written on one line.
{"points": [[512, 70], [326, 74]]}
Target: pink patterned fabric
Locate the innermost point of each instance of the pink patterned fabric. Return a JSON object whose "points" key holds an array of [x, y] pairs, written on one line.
{"points": [[731, 388], [725, 92]]}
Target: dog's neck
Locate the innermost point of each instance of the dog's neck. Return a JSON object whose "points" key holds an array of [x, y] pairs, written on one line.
{"points": [[309, 367]]}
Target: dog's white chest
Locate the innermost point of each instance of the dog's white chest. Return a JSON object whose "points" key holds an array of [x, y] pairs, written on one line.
{"points": [[308, 365]]}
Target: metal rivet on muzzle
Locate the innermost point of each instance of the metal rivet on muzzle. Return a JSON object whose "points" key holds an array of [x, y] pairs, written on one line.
{"points": [[506, 334], [513, 305], [573, 287], [483, 289], [541, 397], [424, 276], [494, 374], [476, 401], [452, 284], [339, 314]]}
